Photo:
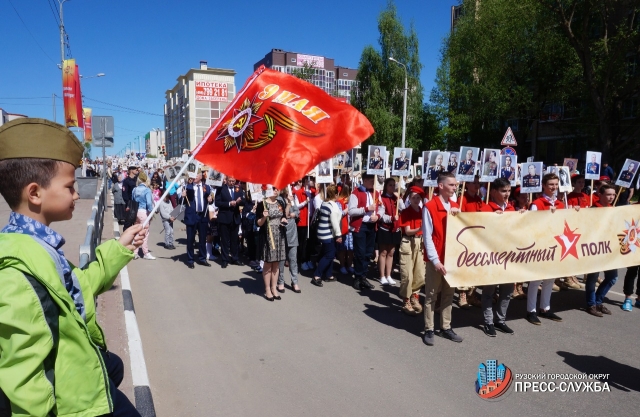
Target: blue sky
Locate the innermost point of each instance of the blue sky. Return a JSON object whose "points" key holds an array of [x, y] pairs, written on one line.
{"points": [[143, 46]]}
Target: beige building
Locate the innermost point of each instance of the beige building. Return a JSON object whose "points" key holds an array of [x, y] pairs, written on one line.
{"points": [[155, 142], [194, 104]]}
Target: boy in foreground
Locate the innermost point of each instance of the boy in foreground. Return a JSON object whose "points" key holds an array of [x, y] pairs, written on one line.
{"points": [[434, 233], [54, 359], [595, 298]]}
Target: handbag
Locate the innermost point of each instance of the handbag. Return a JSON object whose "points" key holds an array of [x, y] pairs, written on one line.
{"points": [[132, 213]]}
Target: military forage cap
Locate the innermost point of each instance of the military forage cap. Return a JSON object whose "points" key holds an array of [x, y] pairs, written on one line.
{"points": [[39, 138]]}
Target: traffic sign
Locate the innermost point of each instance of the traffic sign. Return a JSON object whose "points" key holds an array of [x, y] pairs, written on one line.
{"points": [[509, 138], [508, 151]]}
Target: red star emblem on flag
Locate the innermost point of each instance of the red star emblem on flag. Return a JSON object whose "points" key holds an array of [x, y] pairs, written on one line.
{"points": [[569, 242]]}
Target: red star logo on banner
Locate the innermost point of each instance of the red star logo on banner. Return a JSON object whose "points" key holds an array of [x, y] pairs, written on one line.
{"points": [[569, 242]]}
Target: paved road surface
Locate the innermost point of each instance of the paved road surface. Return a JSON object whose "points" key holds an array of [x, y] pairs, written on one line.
{"points": [[215, 347]]}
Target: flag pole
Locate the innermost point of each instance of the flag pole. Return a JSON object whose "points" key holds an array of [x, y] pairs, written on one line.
{"points": [[488, 190], [166, 192], [591, 195], [618, 196]]}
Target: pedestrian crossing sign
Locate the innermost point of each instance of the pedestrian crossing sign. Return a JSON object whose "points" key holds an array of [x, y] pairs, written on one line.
{"points": [[509, 138]]}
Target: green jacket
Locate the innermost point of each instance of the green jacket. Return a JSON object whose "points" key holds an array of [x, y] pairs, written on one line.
{"points": [[42, 370]]}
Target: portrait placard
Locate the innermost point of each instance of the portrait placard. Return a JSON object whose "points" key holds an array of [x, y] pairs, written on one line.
{"points": [[531, 181], [592, 171], [468, 164], [401, 161], [509, 168], [376, 161], [628, 173], [437, 161]]}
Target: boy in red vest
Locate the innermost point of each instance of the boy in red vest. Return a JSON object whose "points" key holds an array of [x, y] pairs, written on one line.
{"points": [[595, 298], [577, 198], [499, 203], [547, 201], [364, 213], [471, 202], [434, 233]]}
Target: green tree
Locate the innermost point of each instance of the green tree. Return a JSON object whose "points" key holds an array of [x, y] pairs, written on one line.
{"points": [[306, 72], [605, 37], [87, 150], [380, 91], [504, 61]]}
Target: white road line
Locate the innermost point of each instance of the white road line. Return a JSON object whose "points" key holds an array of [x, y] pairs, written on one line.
{"points": [[138, 365], [124, 279]]}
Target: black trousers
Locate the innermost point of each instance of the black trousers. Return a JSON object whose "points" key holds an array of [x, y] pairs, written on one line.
{"points": [[228, 241], [201, 229], [629, 280], [122, 407], [363, 247], [302, 245]]}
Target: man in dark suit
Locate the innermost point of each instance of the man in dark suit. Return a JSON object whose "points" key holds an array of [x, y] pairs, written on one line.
{"points": [[229, 198], [196, 218]]}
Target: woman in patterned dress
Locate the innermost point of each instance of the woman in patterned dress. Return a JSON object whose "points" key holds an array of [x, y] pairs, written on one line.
{"points": [[272, 252]]}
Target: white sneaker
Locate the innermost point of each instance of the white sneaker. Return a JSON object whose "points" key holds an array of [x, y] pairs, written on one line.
{"points": [[149, 257], [136, 256], [391, 281], [343, 270], [384, 281]]}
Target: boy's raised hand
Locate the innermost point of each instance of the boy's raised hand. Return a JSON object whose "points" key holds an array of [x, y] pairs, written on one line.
{"points": [[133, 237]]}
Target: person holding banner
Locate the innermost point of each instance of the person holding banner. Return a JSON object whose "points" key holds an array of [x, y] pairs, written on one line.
{"points": [[434, 232], [302, 197], [500, 191], [389, 233], [364, 213], [595, 298], [471, 202], [411, 253], [547, 201], [229, 198]]}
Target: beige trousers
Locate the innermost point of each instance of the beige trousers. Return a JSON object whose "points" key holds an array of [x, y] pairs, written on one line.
{"points": [[411, 266], [435, 283]]}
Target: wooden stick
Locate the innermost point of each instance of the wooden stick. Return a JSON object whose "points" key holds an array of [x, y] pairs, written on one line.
{"points": [[566, 205], [430, 193], [591, 195], [264, 206], [530, 198], [618, 196], [488, 190], [464, 184]]}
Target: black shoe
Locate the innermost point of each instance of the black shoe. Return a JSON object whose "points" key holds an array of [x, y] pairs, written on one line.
{"points": [[428, 338], [281, 291], [268, 298], [503, 328], [240, 263], [549, 315], [298, 291], [203, 263], [190, 266], [356, 283], [224, 265], [533, 319], [489, 330], [365, 284], [276, 297], [316, 282], [451, 335]]}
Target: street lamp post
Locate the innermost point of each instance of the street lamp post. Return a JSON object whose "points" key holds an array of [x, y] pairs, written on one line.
{"points": [[404, 110]]}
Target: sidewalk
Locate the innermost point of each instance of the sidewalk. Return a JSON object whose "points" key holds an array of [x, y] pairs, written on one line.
{"points": [[110, 307]]}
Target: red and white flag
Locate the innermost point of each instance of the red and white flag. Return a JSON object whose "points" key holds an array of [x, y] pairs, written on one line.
{"points": [[278, 128]]}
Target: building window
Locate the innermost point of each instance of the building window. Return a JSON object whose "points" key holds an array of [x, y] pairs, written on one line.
{"points": [[344, 74], [293, 60]]}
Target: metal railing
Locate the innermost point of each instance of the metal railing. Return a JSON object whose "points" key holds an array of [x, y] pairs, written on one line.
{"points": [[94, 226]]}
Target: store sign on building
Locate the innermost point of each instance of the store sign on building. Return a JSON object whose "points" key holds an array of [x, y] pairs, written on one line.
{"points": [[211, 91], [314, 61]]}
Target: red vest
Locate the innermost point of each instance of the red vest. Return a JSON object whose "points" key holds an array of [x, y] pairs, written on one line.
{"points": [[439, 219], [544, 204], [390, 204], [493, 206], [356, 221], [304, 211], [578, 199], [473, 204]]}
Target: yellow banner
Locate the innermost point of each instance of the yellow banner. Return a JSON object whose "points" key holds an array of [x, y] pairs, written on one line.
{"points": [[490, 248], [88, 124]]}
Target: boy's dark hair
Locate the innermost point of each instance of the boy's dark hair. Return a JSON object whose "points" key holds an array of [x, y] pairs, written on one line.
{"points": [[444, 175], [575, 178], [499, 183], [606, 186], [548, 177], [15, 174]]}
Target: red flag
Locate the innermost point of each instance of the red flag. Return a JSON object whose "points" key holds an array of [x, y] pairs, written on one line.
{"points": [[278, 128]]}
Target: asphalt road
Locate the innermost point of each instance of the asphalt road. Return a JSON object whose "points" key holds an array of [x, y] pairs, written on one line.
{"points": [[214, 347]]}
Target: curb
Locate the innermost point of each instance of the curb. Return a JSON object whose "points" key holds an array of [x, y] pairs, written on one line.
{"points": [[139, 376]]}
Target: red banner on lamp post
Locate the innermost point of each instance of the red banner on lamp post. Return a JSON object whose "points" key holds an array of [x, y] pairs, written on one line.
{"points": [[71, 94]]}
